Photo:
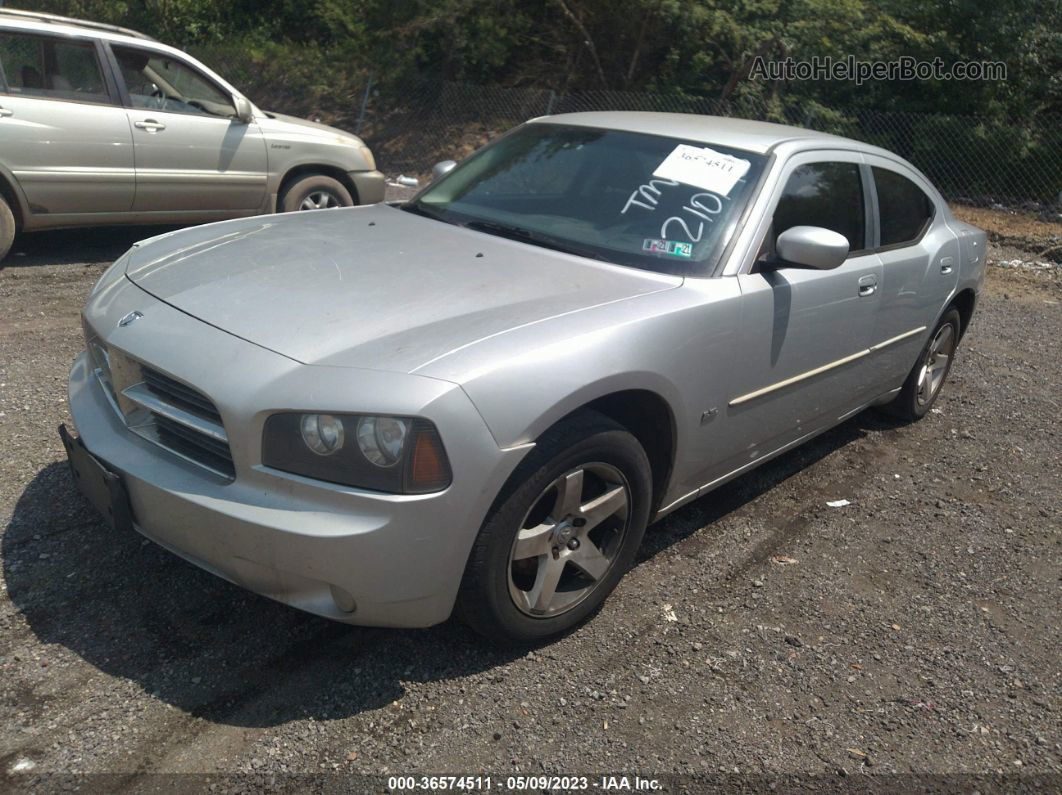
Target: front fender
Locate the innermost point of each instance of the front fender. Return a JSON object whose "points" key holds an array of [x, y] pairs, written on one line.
{"points": [[515, 428], [677, 344]]}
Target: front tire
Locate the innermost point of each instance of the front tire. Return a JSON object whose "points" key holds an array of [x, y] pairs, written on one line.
{"points": [[314, 192], [561, 535], [7, 228], [927, 377]]}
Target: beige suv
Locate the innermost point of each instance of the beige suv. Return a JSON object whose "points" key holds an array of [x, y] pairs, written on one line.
{"points": [[103, 125]]}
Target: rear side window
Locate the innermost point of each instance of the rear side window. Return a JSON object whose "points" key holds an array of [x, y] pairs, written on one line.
{"points": [[38, 66], [829, 195], [904, 208]]}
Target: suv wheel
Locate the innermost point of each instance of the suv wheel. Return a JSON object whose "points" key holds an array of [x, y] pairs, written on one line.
{"points": [[7, 228], [314, 192], [562, 534]]}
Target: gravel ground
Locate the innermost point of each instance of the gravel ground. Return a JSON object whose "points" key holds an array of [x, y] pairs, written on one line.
{"points": [[914, 630]]}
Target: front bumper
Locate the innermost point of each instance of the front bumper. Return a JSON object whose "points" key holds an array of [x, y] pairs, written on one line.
{"points": [[370, 185], [396, 559]]}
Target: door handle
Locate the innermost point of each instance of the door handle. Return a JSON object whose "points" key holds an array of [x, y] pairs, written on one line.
{"points": [[150, 125], [946, 265], [868, 285], [5, 112]]}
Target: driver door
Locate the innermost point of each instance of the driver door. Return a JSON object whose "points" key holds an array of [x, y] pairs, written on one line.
{"points": [[192, 154]]}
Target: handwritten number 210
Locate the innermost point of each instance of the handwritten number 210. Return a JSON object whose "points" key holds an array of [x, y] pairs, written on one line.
{"points": [[695, 206], [648, 197]]}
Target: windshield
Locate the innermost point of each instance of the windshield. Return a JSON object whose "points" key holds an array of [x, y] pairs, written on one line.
{"points": [[647, 201]]}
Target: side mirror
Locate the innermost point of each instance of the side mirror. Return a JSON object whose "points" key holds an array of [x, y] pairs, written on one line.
{"points": [[441, 169], [812, 246], [244, 112]]}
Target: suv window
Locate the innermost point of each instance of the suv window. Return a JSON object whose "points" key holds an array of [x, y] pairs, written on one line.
{"points": [[38, 66], [829, 195], [904, 208], [158, 82]]}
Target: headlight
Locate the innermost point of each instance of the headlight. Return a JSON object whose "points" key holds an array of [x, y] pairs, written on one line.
{"points": [[400, 455], [322, 433], [382, 439]]}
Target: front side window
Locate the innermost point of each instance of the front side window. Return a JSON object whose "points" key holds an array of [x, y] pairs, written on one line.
{"points": [[38, 66], [904, 208], [829, 195], [157, 82], [645, 201]]}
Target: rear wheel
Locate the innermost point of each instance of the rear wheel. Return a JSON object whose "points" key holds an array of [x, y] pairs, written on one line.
{"points": [[924, 382], [7, 228], [563, 535], [314, 192]]}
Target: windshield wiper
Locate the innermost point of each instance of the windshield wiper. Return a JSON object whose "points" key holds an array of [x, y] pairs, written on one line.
{"points": [[527, 236], [501, 230]]}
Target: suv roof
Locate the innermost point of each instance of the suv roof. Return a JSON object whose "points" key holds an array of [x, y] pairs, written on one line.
{"points": [[55, 19]]}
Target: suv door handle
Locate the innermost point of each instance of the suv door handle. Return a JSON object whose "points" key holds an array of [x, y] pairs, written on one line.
{"points": [[868, 285], [946, 265], [150, 125], [4, 112]]}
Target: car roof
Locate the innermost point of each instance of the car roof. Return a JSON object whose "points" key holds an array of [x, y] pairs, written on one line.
{"points": [[752, 136], [54, 23]]}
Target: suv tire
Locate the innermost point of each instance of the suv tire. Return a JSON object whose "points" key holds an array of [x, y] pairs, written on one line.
{"points": [[7, 228], [317, 190]]}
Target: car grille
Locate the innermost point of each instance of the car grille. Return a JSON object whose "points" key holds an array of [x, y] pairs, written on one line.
{"points": [[163, 410], [179, 395], [203, 449]]}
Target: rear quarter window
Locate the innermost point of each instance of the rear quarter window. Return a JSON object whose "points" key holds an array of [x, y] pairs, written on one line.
{"points": [[903, 207]]}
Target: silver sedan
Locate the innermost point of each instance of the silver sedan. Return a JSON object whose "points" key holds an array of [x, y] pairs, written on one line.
{"points": [[478, 400]]}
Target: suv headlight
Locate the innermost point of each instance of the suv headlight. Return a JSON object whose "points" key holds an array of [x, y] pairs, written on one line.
{"points": [[400, 455]]}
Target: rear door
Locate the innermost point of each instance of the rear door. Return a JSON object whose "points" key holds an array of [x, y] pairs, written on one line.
{"points": [[192, 154], [801, 359], [63, 133], [920, 268]]}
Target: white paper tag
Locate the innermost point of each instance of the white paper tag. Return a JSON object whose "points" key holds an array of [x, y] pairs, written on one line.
{"points": [[703, 168]]}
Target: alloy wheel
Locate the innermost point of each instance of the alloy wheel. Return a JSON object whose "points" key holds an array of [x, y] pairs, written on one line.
{"points": [[935, 366], [569, 540], [319, 200]]}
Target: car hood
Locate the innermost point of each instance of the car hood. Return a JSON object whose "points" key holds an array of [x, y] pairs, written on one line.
{"points": [[371, 287], [280, 122]]}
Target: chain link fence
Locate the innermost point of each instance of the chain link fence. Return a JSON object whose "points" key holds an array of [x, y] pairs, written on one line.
{"points": [[968, 158], [413, 124]]}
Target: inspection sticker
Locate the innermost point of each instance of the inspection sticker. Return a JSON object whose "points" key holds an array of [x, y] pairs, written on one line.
{"points": [[703, 167], [672, 248]]}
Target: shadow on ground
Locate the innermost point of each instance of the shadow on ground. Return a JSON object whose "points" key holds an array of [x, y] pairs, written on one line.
{"points": [[89, 246], [211, 649]]}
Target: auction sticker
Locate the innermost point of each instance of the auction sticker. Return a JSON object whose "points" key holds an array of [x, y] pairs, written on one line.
{"points": [[703, 168], [673, 248]]}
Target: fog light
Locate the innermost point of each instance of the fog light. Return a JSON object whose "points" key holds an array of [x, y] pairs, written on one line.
{"points": [[322, 433]]}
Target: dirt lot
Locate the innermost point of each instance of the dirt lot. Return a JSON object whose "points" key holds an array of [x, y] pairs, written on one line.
{"points": [[914, 631]]}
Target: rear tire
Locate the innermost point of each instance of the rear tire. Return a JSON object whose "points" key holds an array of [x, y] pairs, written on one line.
{"points": [[561, 535], [314, 192], [7, 228], [927, 377]]}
